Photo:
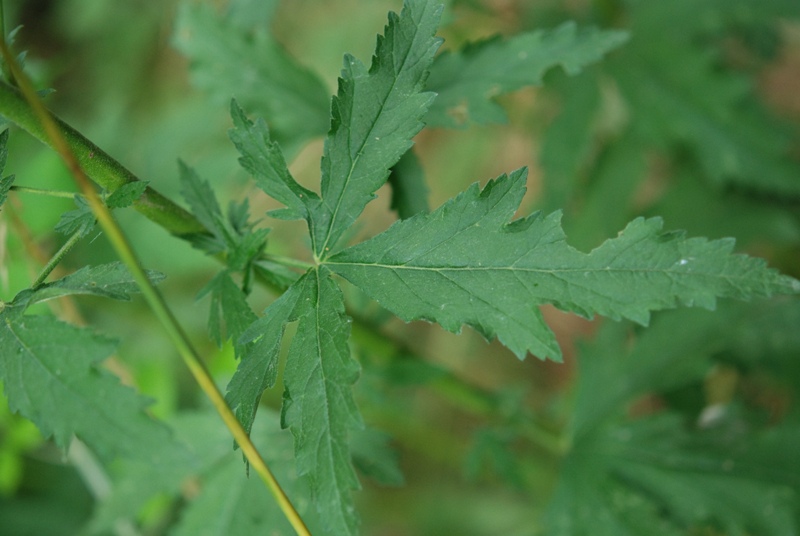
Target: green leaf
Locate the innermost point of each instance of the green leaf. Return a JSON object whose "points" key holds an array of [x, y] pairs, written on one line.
{"points": [[409, 191], [5, 187], [569, 139], [232, 504], [107, 280], [80, 220], [318, 402], [263, 159], [258, 368], [229, 307], [468, 81], [374, 457], [680, 97], [5, 182], [465, 264], [374, 116], [231, 57], [724, 471], [204, 206], [125, 195], [218, 473], [691, 479], [51, 375]]}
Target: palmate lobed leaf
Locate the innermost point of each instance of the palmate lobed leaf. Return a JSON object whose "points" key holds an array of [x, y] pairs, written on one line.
{"points": [[462, 264], [729, 471], [658, 471], [466, 264], [679, 96]]}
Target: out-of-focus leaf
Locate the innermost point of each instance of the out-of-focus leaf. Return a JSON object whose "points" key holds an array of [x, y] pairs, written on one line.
{"points": [[374, 457], [233, 59], [409, 191], [51, 375], [467, 81]]}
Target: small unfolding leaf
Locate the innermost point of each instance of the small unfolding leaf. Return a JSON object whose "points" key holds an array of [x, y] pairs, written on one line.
{"points": [[467, 81], [80, 220], [465, 263], [204, 205], [229, 308]]}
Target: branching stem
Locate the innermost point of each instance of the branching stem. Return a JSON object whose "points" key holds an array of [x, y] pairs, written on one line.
{"points": [[95, 162], [43, 122]]}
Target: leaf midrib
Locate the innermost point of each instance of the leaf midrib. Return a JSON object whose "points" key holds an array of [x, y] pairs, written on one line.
{"points": [[360, 152]]}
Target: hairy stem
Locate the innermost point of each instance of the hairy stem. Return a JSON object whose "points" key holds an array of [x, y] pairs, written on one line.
{"points": [[56, 259], [43, 191], [43, 122]]}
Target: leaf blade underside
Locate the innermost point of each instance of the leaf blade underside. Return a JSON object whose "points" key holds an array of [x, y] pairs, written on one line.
{"points": [[465, 264]]}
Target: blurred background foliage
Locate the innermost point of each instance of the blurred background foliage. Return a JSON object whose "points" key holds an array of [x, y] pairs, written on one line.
{"points": [[695, 119]]}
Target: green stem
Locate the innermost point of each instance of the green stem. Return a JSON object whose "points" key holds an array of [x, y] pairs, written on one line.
{"points": [[97, 164], [55, 259], [43, 191], [288, 261], [52, 131]]}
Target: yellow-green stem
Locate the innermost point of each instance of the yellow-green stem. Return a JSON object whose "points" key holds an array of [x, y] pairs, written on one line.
{"points": [[157, 303]]}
